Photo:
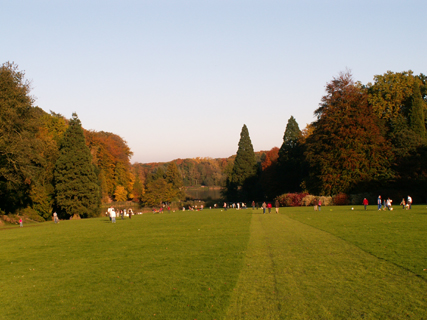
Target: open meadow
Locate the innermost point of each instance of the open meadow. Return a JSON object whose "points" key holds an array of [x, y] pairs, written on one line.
{"points": [[214, 264]]}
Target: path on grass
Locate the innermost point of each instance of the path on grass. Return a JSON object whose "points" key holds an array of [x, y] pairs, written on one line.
{"points": [[295, 271]]}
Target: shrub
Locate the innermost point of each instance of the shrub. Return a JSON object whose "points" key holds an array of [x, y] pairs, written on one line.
{"points": [[326, 201], [311, 200], [291, 199], [340, 199], [31, 214], [308, 200]]}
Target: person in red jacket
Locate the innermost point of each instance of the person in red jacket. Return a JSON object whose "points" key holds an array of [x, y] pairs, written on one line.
{"points": [[269, 207], [365, 203]]}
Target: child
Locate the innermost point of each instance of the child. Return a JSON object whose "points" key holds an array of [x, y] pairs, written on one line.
{"points": [[402, 203]]}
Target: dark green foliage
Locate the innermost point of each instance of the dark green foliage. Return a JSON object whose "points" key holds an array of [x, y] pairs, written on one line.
{"points": [[291, 161], [18, 156], [76, 185], [291, 136], [243, 178], [416, 114], [244, 165], [163, 186]]}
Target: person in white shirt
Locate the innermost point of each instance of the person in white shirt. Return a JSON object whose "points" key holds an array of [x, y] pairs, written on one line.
{"points": [[113, 216], [409, 202]]}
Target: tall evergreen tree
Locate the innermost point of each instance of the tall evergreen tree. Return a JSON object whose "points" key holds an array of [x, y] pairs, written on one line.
{"points": [[76, 185], [242, 180], [291, 159], [416, 113]]}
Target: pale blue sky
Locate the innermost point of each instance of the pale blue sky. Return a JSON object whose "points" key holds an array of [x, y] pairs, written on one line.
{"points": [[178, 79]]}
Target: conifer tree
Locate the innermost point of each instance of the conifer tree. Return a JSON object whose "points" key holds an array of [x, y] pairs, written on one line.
{"points": [[416, 116], [243, 174], [291, 159], [76, 185]]}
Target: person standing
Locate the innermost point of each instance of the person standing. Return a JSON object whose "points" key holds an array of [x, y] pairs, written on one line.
{"points": [[319, 205], [225, 206], [130, 213], [264, 205], [55, 217], [365, 203], [277, 206], [20, 222], [113, 216], [409, 202], [403, 203], [379, 203], [253, 205], [269, 207]]}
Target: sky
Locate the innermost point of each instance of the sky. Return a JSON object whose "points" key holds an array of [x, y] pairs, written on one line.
{"points": [[180, 78]]}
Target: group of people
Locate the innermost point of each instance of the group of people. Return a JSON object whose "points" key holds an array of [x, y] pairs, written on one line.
{"points": [[111, 212], [268, 206], [243, 205], [387, 204], [406, 205]]}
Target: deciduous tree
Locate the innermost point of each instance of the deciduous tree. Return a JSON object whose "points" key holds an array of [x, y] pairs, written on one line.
{"points": [[346, 147], [18, 143]]}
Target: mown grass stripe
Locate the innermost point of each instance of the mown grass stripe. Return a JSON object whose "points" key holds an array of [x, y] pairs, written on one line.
{"points": [[295, 271]]}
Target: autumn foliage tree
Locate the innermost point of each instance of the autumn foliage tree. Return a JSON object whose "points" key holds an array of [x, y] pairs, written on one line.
{"points": [[346, 147], [269, 174], [111, 155], [18, 143]]}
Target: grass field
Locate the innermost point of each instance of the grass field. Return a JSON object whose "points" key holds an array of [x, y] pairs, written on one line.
{"points": [[300, 264]]}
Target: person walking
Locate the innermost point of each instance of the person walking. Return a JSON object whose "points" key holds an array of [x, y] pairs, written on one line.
{"points": [[319, 205], [379, 203], [253, 205], [365, 203], [264, 205], [409, 202], [269, 207], [277, 206], [113, 216]]}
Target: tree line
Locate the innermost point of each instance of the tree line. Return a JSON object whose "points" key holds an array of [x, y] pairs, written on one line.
{"points": [[366, 138]]}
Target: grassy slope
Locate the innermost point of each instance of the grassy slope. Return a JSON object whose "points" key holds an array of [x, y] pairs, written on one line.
{"points": [[397, 236], [176, 266], [295, 271], [338, 264]]}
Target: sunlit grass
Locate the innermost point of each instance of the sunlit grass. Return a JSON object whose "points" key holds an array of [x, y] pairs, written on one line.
{"points": [[173, 266], [295, 271], [299, 264]]}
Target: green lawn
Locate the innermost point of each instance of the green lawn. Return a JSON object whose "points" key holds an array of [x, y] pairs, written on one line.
{"points": [[300, 264]]}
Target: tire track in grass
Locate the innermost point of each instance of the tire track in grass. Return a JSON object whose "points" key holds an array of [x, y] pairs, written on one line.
{"points": [[295, 271]]}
